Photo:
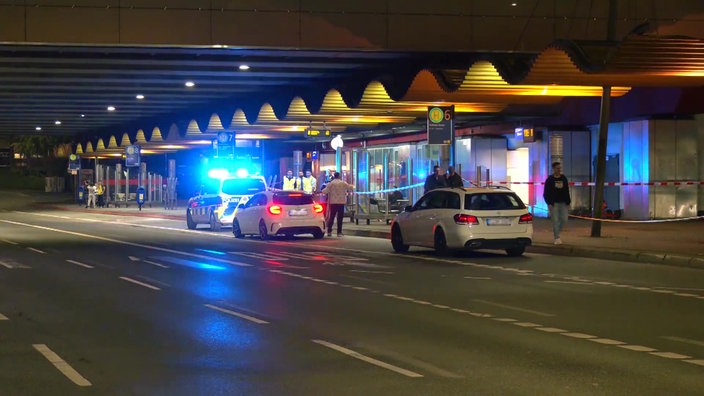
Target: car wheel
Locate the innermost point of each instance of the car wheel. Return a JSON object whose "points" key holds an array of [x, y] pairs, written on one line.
{"points": [[397, 240], [214, 223], [263, 233], [515, 252], [440, 244], [189, 221], [318, 234], [236, 230]]}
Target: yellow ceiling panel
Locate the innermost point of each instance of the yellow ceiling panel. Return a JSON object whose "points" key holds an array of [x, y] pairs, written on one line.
{"points": [[156, 135]]}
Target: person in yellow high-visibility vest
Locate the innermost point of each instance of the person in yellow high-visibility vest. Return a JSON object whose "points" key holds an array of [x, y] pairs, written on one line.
{"points": [[289, 182], [309, 183]]}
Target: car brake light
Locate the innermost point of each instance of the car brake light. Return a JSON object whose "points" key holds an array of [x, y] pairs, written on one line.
{"points": [[466, 219], [318, 208], [525, 219], [274, 209], [295, 195], [194, 204]]}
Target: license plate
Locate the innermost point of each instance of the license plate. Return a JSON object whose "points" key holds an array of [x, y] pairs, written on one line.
{"points": [[300, 212], [503, 221]]}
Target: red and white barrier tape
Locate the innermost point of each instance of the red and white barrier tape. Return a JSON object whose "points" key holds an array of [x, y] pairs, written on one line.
{"points": [[609, 184]]}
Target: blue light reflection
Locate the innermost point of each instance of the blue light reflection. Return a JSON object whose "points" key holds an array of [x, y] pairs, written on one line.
{"points": [[212, 252]]}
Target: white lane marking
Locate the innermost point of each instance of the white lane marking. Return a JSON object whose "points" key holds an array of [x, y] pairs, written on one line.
{"points": [[157, 264], [239, 315], [6, 265], [478, 277], [579, 335], [670, 355], [680, 288], [161, 249], [10, 242], [589, 337], [3, 317], [638, 348], [79, 263], [567, 282], [411, 361], [373, 272], [133, 258], [685, 295], [515, 308], [607, 341], [62, 365], [139, 283], [36, 250], [685, 340], [368, 359]]}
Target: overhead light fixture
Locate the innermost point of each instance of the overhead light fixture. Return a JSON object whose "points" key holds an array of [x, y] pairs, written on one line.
{"points": [[139, 96], [514, 4], [244, 67], [57, 122], [111, 108], [38, 128], [83, 116], [190, 84]]}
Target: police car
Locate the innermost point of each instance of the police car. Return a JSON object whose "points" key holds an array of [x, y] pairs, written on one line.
{"points": [[218, 208]]}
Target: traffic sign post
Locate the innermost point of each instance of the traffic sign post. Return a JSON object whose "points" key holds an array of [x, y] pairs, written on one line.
{"points": [[441, 127]]}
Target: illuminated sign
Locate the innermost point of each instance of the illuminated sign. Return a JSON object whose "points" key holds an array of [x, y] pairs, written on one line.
{"points": [[525, 134], [317, 133], [132, 156], [441, 128]]}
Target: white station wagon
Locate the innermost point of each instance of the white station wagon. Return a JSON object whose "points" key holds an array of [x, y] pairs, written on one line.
{"points": [[468, 219]]}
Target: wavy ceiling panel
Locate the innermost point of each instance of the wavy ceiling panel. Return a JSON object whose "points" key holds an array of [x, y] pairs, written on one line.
{"points": [[140, 138]]}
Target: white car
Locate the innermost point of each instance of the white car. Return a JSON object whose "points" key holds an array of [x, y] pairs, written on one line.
{"points": [[468, 219], [279, 212]]}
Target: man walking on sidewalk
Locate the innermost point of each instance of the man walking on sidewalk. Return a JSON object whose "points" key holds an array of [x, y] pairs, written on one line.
{"points": [[557, 196], [337, 191]]}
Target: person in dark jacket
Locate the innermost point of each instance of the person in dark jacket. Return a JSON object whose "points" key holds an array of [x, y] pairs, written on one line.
{"points": [[434, 180], [557, 196], [453, 178]]}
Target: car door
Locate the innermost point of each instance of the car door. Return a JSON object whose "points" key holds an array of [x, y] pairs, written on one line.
{"points": [[415, 225], [436, 210], [246, 216]]}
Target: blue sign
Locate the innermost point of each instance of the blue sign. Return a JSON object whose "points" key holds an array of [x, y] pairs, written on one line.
{"points": [[132, 156], [314, 155], [74, 162]]}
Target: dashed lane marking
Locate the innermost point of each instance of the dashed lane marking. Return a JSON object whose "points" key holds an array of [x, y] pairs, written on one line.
{"points": [[62, 365], [79, 264], [9, 242], [156, 264], [530, 311], [368, 359], [36, 250], [3, 317], [6, 265], [527, 325], [684, 340], [139, 283], [237, 314]]}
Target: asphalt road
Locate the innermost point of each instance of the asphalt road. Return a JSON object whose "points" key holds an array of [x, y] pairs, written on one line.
{"points": [[109, 305]]}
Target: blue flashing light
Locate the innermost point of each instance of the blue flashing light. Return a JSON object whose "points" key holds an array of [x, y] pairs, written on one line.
{"points": [[218, 173], [242, 172], [210, 267]]}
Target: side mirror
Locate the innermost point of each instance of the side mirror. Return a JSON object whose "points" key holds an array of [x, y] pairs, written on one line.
{"points": [[408, 208]]}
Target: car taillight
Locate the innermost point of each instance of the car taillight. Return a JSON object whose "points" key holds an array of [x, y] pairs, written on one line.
{"points": [[466, 219], [274, 209], [525, 219], [194, 204], [317, 208]]}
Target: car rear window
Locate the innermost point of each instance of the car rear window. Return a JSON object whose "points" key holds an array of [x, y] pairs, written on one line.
{"points": [[493, 201], [242, 186], [292, 199]]}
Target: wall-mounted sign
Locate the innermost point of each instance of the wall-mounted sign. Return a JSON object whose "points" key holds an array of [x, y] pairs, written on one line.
{"points": [[132, 155], [317, 132], [441, 128]]}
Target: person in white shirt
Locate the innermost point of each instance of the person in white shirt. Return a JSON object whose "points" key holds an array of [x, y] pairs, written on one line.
{"points": [[336, 191]]}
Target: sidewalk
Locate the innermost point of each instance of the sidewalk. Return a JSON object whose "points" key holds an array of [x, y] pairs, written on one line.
{"points": [[678, 243]]}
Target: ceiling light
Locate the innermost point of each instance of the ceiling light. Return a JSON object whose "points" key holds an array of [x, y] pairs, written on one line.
{"points": [[244, 67], [190, 84], [57, 122], [83, 116], [139, 96], [111, 108], [514, 4], [38, 128]]}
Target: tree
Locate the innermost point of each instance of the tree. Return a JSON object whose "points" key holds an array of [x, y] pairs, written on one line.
{"points": [[40, 152]]}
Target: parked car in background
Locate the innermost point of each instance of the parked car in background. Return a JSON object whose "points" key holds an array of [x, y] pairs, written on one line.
{"points": [[465, 218]]}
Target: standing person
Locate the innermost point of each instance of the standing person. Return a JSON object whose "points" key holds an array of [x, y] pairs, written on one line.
{"points": [[100, 192], [337, 191], [91, 196], [289, 182], [453, 178], [557, 196], [309, 183], [434, 180], [299, 181]]}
